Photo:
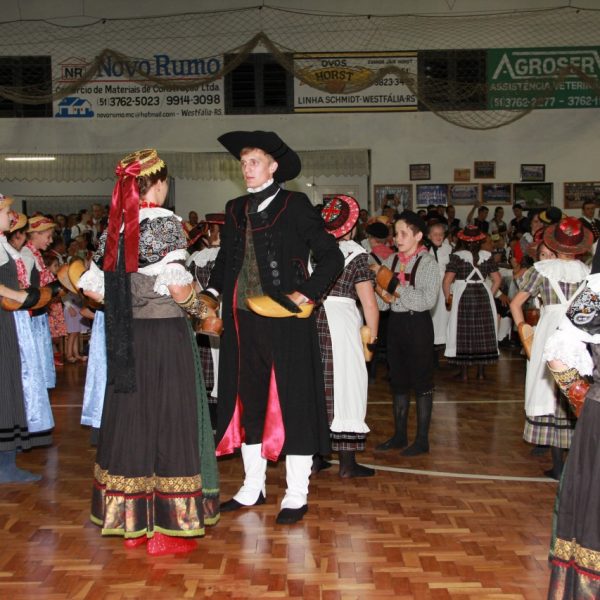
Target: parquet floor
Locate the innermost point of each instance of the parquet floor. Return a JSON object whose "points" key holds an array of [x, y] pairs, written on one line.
{"points": [[470, 520]]}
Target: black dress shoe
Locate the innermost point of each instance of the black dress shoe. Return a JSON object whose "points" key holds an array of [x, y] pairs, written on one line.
{"points": [[233, 504], [287, 516]]}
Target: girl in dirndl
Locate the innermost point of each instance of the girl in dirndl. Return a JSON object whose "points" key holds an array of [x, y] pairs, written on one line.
{"points": [[339, 325], [14, 432], [472, 325], [39, 237], [155, 477], [35, 393], [573, 355], [549, 419]]}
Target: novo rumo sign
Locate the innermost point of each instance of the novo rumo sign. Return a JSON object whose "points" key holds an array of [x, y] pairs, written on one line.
{"points": [[117, 93], [519, 78]]}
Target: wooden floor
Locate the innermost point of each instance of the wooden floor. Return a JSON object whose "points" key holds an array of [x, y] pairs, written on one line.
{"points": [[472, 519]]}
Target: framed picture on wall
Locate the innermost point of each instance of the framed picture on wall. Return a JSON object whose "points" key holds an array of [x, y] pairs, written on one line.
{"points": [[578, 192], [431, 193], [496, 193], [484, 169], [462, 174], [421, 171], [533, 195], [398, 195], [462, 194], [533, 172]]}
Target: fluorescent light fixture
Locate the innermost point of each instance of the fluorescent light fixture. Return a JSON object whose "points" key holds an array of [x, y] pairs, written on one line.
{"points": [[29, 158]]}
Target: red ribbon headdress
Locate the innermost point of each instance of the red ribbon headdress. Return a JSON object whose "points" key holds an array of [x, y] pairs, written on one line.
{"points": [[125, 207], [40, 223]]}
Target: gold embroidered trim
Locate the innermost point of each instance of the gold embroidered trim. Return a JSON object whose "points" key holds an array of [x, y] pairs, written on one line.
{"points": [[147, 485], [571, 550]]}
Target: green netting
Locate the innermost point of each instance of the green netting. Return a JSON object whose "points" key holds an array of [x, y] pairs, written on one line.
{"points": [[125, 44]]}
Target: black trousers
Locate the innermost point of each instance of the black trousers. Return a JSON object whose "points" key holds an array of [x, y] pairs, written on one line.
{"points": [[410, 351], [256, 362]]}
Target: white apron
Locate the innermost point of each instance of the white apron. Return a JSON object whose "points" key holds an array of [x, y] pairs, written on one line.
{"points": [[539, 383], [459, 286], [350, 379]]}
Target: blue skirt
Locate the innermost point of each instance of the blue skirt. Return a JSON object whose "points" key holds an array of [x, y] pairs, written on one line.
{"points": [[95, 378], [43, 342], [35, 392]]}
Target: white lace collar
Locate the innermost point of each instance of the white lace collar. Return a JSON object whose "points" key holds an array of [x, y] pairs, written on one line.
{"points": [[558, 269], [201, 257]]}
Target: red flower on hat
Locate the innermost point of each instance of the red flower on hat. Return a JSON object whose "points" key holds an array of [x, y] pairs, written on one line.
{"points": [[570, 226]]}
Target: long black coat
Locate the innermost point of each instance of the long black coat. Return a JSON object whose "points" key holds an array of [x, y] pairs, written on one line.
{"points": [[285, 233]]}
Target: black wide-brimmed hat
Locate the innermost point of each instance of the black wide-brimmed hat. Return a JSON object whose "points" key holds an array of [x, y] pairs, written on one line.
{"points": [[288, 161]]}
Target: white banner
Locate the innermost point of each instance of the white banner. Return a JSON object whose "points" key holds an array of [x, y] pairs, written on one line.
{"points": [[114, 94], [340, 71]]}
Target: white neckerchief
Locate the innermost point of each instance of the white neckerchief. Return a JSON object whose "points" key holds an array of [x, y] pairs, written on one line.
{"points": [[260, 188]]}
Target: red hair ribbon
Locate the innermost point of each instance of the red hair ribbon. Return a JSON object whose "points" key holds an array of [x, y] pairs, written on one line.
{"points": [[39, 223], [124, 209]]}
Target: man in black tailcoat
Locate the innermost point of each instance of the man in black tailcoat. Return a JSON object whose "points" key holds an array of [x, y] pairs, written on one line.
{"points": [[271, 396]]}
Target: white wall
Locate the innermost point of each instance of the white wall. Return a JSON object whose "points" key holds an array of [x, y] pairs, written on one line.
{"points": [[566, 141]]}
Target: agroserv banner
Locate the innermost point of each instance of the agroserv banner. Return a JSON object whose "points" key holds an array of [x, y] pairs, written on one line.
{"points": [[519, 78], [115, 95], [345, 72]]}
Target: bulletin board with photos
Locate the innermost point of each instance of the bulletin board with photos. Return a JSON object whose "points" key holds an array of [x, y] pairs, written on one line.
{"points": [[435, 194], [398, 195], [463, 194], [496, 193], [578, 192]]}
